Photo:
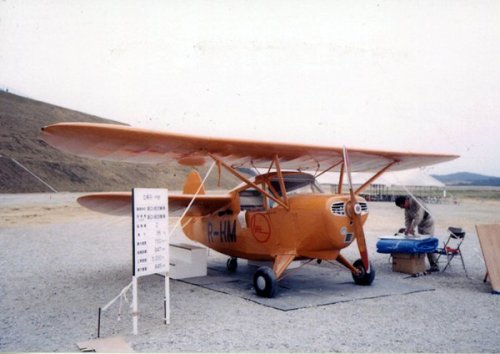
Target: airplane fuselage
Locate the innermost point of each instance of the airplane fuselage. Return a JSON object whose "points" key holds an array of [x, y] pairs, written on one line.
{"points": [[314, 226]]}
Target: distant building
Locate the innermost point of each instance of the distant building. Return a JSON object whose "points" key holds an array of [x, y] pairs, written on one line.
{"points": [[391, 184]]}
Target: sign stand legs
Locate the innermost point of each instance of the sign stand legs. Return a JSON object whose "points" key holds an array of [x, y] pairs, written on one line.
{"points": [[166, 302], [135, 310], [99, 323]]}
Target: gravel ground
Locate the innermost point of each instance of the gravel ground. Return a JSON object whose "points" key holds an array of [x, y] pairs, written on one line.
{"points": [[61, 263]]}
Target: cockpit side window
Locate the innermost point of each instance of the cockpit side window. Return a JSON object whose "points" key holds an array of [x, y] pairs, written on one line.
{"points": [[251, 199], [295, 183]]}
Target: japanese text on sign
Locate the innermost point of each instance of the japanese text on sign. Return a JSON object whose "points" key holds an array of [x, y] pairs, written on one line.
{"points": [[150, 231]]}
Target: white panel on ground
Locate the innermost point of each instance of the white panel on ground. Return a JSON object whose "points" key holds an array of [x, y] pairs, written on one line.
{"points": [[187, 261]]}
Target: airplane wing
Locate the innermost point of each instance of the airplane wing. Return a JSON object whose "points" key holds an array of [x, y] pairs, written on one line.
{"points": [[120, 203], [128, 144]]}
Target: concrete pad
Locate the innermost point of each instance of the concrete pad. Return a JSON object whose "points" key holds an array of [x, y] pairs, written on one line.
{"points": [[308, 286]]}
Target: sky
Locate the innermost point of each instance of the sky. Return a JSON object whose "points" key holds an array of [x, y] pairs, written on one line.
{"points": [[420, 76]]}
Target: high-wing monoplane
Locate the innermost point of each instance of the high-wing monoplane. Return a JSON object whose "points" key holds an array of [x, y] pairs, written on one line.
{"points": [[280, 215]]}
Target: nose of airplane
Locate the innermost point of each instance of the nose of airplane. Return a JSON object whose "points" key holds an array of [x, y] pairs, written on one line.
{"points": [[339, 225]]}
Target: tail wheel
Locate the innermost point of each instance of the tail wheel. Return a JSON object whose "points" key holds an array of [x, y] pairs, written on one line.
{"points": [[232, 264], [363, 278], [264, 282]]}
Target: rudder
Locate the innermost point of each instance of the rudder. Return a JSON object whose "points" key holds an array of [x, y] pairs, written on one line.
{"points": [[193, 182]]}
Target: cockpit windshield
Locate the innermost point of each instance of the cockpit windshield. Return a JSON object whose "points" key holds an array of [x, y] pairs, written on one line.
{"points": [[296, 183]]}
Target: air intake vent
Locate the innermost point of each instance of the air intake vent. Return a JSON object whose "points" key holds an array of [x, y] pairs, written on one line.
{"points": [[338, 208]]}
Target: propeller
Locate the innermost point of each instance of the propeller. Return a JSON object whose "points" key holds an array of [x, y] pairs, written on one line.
{"points": [[354, 212]]}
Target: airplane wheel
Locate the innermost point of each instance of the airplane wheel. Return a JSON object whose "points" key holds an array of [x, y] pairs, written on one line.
{"points": [[264, 282], [232, 264], [363, 278]]}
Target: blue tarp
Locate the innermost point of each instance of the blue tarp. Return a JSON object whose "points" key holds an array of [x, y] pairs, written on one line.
{"points": [[405, 245]]}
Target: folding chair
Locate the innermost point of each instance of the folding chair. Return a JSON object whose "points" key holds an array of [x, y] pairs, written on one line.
{"points": [[451, 247]]}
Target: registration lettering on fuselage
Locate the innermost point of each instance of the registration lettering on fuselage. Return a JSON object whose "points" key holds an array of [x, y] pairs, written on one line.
{"points": [[223, 232]]}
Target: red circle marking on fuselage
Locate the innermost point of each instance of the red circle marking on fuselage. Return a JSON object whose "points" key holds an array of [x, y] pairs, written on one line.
{"points": [[261, 227]]}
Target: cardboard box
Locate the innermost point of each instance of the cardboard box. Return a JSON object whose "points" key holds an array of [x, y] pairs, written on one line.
{"points": [[409, 263]]}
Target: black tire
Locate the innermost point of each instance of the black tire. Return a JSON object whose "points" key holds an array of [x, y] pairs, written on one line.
{"points": [[363, 278], [264, 282], [232, 264]]}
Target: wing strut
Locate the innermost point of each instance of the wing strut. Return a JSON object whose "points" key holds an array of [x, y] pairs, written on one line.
{"points": [[192, 200], [377, 175], [246, 180], [328, 169], [280, 179]]}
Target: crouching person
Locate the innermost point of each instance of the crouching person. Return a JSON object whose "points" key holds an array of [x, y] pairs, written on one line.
{"points": [[417, 217]]}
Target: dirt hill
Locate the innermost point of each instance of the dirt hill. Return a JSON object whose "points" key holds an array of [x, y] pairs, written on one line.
{"points": [[20, 145]]}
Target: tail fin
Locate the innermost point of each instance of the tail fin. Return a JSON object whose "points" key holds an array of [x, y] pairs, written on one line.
{"points": [[193, 182]]}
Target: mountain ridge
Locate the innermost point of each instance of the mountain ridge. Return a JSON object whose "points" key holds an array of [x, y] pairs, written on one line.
{"points": [[468, 179]]}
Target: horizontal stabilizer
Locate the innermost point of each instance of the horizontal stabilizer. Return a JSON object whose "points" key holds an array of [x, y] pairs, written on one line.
{"points": [[120, 203]]}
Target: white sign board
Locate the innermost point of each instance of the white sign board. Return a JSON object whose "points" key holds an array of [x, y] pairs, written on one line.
{"points": [[150, 229]]}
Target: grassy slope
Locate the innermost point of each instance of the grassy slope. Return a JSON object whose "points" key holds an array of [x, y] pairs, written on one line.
{"points": [[20, 122]]}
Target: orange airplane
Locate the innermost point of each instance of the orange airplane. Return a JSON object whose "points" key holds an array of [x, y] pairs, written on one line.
{"points": [[279, 216]]}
